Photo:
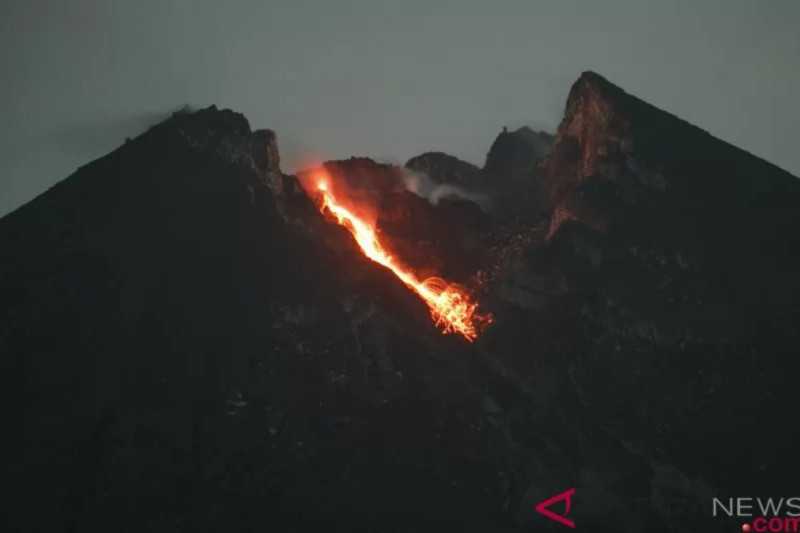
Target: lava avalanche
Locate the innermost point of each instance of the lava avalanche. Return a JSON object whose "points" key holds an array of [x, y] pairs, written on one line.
{"points": [[452, 308]]}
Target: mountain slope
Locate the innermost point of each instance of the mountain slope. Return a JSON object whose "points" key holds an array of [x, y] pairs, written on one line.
{"points": [[187, 344]]}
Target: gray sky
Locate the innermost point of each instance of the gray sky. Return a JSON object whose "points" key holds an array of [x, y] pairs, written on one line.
{"points": [[388, 80]]}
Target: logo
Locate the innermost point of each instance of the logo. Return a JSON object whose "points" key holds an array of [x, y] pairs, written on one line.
{"points": [[566, 496], [761, 515]]}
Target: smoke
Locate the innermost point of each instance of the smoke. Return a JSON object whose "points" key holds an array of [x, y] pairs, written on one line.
{"points": [[422, 185]]}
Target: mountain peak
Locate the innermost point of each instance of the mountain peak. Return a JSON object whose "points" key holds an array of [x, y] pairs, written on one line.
{"points": [[445, 168], [620, 161], [514, 154], [607, 125], [592, 88], [589, 78], [228, 132]]}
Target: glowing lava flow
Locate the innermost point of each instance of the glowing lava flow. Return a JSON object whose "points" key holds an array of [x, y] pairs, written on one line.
{"points": [[451, 307]]}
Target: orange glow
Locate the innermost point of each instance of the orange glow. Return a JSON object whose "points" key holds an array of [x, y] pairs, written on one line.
{"points": [[452, 308]]}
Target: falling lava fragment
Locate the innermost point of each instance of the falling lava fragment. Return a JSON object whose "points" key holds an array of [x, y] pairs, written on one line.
{"points": [[452, 308]]}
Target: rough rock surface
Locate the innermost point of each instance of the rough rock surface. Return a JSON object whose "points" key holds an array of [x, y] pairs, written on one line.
{"points": [[446, 239]]}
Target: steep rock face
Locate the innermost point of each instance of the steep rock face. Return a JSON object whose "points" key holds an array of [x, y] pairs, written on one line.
{"points": [[652, 187], [267, 157]]}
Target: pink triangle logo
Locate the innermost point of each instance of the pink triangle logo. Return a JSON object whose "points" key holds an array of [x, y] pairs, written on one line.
{"points": [[542, 508]]}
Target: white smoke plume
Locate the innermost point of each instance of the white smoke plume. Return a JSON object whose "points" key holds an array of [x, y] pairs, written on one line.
{"points": [[422, 185]]}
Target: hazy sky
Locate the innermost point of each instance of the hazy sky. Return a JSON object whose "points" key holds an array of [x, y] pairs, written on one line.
{"points": [[388, 80]]}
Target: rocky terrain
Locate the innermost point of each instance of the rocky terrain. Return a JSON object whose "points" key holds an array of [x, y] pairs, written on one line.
{"points": [[189, 344]]}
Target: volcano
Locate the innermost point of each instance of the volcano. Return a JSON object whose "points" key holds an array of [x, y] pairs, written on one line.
{"points": [[194, 339]]}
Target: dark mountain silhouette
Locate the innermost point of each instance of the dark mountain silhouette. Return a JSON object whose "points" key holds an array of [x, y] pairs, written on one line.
{"points": [[188, 344], [515, 154], [444, 168]]}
